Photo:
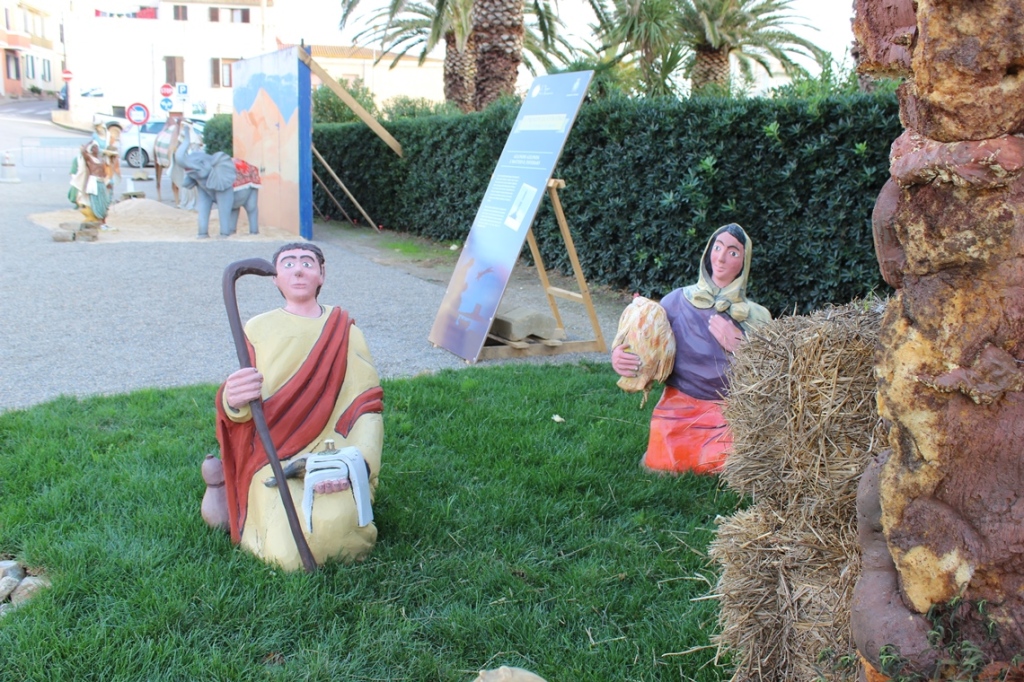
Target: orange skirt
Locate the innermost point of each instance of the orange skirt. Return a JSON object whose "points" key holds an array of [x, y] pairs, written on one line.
{"points": [[687, 435]]}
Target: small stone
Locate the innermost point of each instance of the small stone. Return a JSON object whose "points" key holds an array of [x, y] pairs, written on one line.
{"points": [[7, 585], [11, 568], [87, 234], [27, 589], [63, 236], [5, 609]]}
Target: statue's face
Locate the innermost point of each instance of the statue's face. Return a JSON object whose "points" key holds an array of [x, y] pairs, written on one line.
{"points": [[726, 259], [299, 275]]}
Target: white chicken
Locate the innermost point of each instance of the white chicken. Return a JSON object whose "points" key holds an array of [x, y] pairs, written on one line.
{"points": [[645, 330]]}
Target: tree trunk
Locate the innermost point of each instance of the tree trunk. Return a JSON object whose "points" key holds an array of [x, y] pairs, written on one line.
{"points": [[498, 33], [459, 72], [710, 68]]}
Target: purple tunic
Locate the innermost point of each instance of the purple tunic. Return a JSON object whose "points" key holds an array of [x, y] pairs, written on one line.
{"points": [[701, 362]]}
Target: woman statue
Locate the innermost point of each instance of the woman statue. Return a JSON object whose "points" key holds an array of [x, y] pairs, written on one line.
{"points": [[709, 320]]}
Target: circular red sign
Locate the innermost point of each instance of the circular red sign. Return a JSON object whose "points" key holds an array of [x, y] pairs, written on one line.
{"points": [[166, 90], [66, 75], [137, 113]]}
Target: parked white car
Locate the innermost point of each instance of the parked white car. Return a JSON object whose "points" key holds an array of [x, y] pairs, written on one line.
{"points": [[137, 141]]}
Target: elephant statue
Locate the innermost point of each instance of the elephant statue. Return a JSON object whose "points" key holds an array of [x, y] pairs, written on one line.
{"points": [[232, 183]]}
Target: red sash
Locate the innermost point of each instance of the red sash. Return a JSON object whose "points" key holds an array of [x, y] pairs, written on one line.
{"points": [[296, 414]]}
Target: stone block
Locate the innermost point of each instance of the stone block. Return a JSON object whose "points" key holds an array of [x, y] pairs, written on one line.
{"points": [[133, 195], [7, 585], [518, 323], [27, 589], [11, 568], [884, 31], [63, 236], [968, 64], [87, 234]]}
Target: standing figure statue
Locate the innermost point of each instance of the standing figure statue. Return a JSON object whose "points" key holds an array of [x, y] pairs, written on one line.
{"points": [[230, 183], [708, 320], [322, 400], [164, 146], [92, 176]]}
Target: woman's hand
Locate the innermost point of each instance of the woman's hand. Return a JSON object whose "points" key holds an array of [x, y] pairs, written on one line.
{"points": [[242, 387], [624, 363], [726, 333]]}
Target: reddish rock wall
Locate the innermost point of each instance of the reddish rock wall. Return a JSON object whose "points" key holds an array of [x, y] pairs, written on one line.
{"points": [[949, 234]]}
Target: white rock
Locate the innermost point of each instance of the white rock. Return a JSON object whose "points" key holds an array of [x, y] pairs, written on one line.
{"points": [[27, 589], [7, 585], [12, 569]]}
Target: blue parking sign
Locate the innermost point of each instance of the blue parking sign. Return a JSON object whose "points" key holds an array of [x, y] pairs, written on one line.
{"points": [[182, 89], [166, 104]]}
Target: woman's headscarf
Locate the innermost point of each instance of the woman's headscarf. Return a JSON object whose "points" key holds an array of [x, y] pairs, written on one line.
{"points": [[732, 298]]}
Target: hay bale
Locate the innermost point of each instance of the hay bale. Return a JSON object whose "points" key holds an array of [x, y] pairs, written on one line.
{"points": [[802, 412], [802, 404]]}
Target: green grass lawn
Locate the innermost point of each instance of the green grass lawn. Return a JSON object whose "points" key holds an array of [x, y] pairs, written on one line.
{"points": [[506, 538]]}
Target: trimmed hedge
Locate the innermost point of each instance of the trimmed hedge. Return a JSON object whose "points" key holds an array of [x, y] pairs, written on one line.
{"points": [[649, 180]]}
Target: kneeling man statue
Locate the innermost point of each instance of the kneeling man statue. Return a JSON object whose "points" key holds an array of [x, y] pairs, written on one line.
{"points": [[322, 400]]}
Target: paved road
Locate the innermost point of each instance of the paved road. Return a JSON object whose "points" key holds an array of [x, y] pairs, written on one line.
{"points": [[93, 318]]}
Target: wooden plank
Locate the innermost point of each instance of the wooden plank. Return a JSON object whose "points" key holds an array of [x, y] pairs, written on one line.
{"points": [[342, 185], [351, 102], [556, 204], [503, 352], [565, 293], [509, 342], [336, 202]]}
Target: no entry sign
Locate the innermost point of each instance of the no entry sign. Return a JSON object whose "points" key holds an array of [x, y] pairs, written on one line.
{"points": [[65, 75], [137, 113]]}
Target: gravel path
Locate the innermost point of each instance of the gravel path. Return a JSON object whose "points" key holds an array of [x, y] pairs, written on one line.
{"points": [[101, 318]]}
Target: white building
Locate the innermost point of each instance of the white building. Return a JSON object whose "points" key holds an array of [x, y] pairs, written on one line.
{"points": [[32, 51], [124, 53]]}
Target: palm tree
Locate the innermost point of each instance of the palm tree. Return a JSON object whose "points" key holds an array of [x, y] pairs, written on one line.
{"points": [[419, 25], [698, 38], [498, 32], [752, 31]]}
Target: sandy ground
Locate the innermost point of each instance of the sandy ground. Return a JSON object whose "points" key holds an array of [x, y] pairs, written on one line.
{"points": [[150, 220]]}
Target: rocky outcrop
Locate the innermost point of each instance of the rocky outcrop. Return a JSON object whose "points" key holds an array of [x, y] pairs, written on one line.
{"points": [[16, 586], [948, 501]]}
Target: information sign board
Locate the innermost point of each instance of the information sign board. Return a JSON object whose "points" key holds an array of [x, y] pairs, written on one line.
{"points": [[510, 203]]}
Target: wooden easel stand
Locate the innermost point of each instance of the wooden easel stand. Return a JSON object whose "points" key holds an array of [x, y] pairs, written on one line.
{"points": [[510, 349]]}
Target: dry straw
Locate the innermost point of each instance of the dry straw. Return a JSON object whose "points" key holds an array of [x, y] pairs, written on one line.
{"points": [[802, 412]]}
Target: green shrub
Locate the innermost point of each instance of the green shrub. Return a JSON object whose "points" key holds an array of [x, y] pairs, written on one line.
{"points": [[649, 179], [328, 107], [217, 134], [415, 107]]}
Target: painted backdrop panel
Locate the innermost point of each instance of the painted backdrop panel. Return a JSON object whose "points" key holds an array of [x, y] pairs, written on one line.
{"points": [[272, 128]]}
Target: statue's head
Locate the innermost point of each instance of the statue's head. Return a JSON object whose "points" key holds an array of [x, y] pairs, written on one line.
{"points": [[298, 256], [726, 255]]}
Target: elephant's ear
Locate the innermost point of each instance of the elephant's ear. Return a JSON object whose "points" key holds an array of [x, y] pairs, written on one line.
{"points": [[222, 173]]}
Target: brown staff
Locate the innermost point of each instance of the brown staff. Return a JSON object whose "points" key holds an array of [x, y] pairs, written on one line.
{"points": [[259, 266]]}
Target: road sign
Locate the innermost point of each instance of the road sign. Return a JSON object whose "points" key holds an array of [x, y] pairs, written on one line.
{"points": [[137, 113], [166, 90], [166, 104], [66, 75], [182, 90]]}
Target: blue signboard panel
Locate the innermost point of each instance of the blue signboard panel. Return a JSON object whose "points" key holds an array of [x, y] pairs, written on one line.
{"points": [[507, 212]]}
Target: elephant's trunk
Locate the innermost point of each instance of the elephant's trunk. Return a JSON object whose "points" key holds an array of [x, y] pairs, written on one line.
{"points": [[181, 151]]}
